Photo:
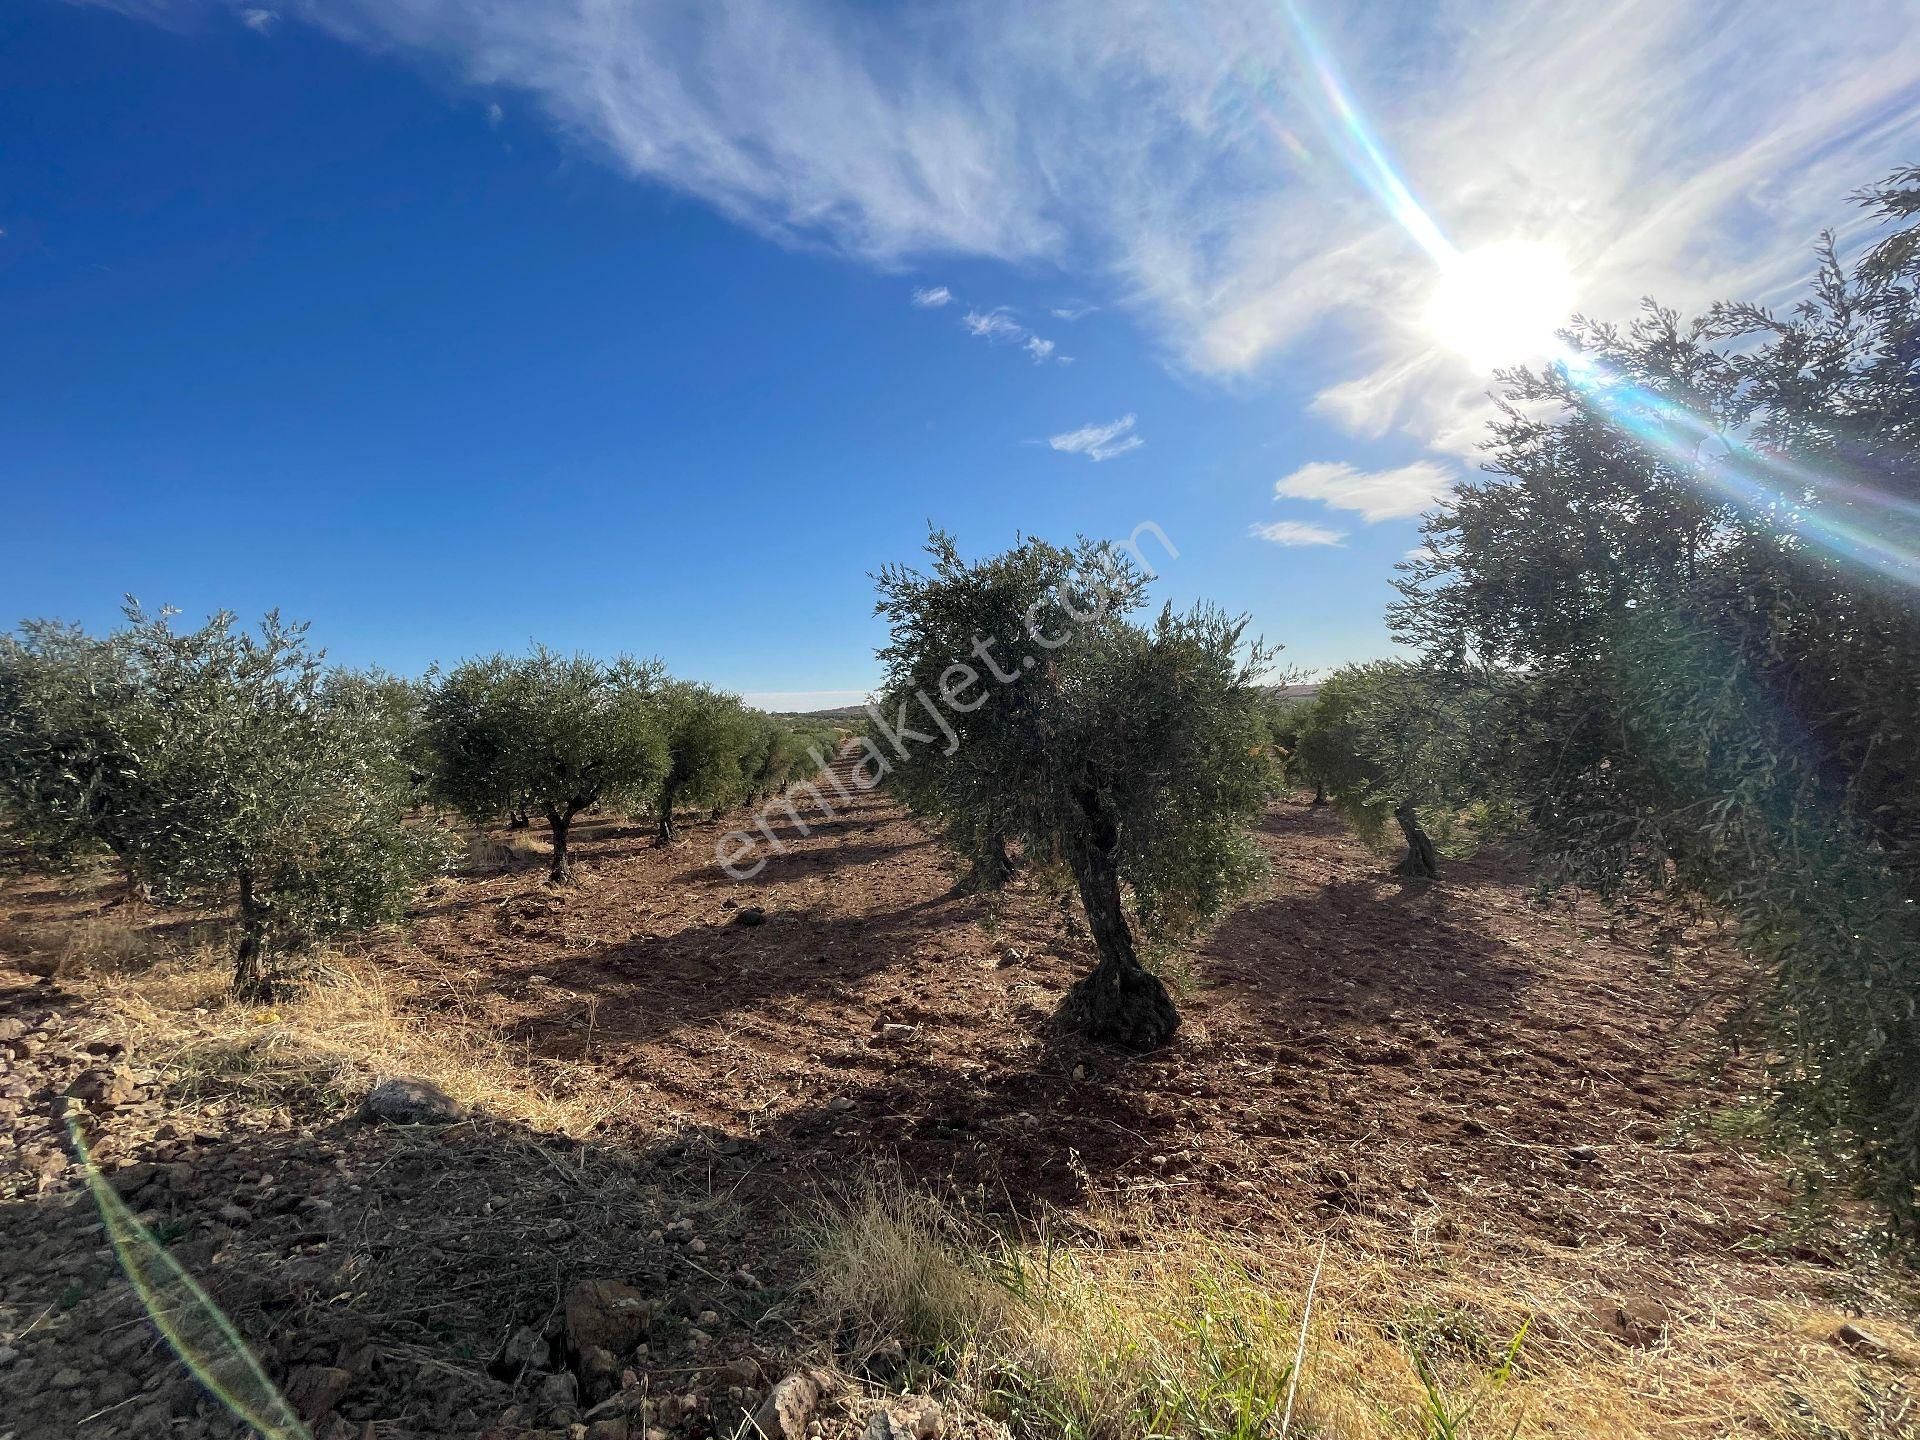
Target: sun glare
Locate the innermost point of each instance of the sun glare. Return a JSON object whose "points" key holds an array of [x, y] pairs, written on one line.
{"points": [[1501, 304]]}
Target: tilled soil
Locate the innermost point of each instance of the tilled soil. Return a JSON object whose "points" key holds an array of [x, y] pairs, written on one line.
{"points": [[1441, 1053], [1452, 1060]]}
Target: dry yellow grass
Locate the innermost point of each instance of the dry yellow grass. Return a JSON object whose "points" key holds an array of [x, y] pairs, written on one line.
{"points": [[1195, 1335], [344, 1025]]}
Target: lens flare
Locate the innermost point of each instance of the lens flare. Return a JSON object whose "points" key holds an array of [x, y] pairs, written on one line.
{"points": [[197, 1329], [1503, 304]]}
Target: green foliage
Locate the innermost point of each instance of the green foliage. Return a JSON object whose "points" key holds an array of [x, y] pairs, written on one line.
{"points": [[783, 752], [1700, 546], [219, 766], [709, 738], [65, 775], [546, 733], [1135, 753], [1412, 744]]}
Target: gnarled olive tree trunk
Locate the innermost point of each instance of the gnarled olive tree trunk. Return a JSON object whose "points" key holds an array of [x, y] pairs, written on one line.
{"points": [[668, 834], [1121, 1001], [559, 823], [250, 979], [990, 867], [1422, 861]]}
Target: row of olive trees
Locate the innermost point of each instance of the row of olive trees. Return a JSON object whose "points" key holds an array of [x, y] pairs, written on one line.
{"points": [[559, 735], [1672, 636], [1400, 745], [215, 765], [229, 768]]}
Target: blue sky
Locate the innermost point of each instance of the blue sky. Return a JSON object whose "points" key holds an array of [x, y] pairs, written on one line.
{"points": [[455, 324]]}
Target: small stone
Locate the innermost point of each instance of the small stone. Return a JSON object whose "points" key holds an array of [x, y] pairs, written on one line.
{"points": [[406, 1101], [1641, 1324], [559, 1393], [1583, 1155], [923, 1416], [129, 1179], [104, 1089], [707, 1319], [697, 1245], [1863, 1342], [608, 1314], [235, 1214], [313, 1390], [599, 1373], [840, 1102], [526, 1349], [787, 1409], [750, 915], [68, 1378]]}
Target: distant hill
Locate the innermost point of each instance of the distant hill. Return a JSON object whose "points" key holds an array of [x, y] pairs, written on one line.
{"points": [[1296, 692], [841, 712]]}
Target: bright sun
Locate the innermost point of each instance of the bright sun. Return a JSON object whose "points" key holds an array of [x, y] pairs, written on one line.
{"points": [[1500, 304]]}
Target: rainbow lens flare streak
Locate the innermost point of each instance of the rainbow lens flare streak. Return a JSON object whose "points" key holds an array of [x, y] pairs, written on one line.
{"points": [[1821, 509], [197, 1329]]}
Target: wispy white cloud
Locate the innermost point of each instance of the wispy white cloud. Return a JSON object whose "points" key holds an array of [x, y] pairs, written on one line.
{"points": [[261, 22], [1071, 313], [1375, 494], [1099, 442], [495, 115], [1661, 146], [1041, 350], [1297, 532], [992, 325], [932, 297]]}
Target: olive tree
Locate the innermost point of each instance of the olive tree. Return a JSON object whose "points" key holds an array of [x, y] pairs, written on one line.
{"points": [[1698, 541], [223, 767], [65, 771], [1410, 743], [780, 752], [1287, 718], [708, 734], [1022, 701], [548, 733]]}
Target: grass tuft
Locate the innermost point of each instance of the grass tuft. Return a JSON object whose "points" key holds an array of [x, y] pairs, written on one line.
{"points": [[1191, 1336], [345, 1025]]}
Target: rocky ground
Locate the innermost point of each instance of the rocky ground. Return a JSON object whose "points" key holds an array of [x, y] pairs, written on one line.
{"points": [[461, 1278], [1455, 1064]]}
